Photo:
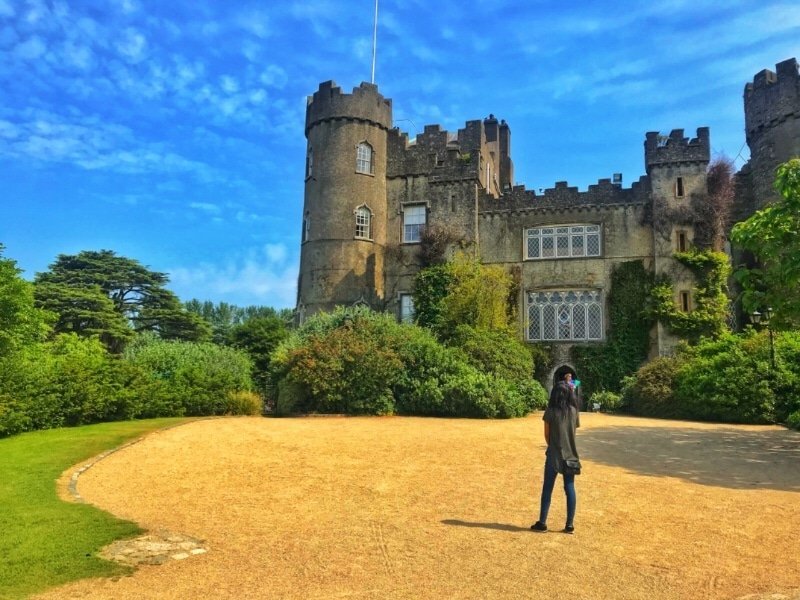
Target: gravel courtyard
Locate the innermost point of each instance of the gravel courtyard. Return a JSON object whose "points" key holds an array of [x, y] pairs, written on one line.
{"points": [[394, 507]]}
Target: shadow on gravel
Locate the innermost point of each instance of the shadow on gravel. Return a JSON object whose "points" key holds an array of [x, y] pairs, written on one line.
{"points": [[498, 526], [728, 458]]}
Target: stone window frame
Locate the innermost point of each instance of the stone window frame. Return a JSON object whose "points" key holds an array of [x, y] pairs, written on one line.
{"points": [[420, 226], [309, 162], [680, 187], [363, 221], [535, 238], [685, 301], [405, 310], [567, 315], [682, 240], [365, 162], [306, 228]]}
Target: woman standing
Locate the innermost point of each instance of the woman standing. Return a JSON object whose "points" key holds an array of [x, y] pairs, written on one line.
{"points": [[561, 419]]}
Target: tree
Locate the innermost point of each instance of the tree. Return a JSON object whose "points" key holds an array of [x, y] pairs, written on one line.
{"points": [[20, 322], [259, 336], [773, 236], [138, 297], [223, 317]]}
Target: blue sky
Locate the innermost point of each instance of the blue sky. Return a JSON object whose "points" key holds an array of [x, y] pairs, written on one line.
{"points": [[172, 132]]}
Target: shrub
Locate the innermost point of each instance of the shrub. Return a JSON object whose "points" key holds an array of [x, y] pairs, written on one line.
{"points": [[188, 378], [793, 420], [605, 401], [650, 391], [242, 402]]}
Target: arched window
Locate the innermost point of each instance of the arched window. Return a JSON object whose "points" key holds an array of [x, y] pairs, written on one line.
{"points": [[309, 162], [364, 158], [363, 222]]}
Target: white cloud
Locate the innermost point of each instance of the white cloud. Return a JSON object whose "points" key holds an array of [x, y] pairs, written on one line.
{"points": [[205, 207], [228, 84], [274, 76], [31, 48], [132, 45], [259, 276], [6, 9]]}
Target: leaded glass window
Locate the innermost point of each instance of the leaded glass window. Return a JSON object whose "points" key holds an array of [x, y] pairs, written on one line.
{"points": [[562, 241], [570, 315]]}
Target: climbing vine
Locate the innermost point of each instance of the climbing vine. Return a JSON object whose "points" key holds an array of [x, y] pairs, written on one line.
{"points": [[709, 313], [603, 366]]}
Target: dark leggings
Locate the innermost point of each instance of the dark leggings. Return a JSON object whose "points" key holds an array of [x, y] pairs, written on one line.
{"points": [[549, 483]]}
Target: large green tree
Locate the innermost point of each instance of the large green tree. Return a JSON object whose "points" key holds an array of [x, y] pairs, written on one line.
{"points": [[20, 322], [101, 293], [773, 236], [224, 317]]}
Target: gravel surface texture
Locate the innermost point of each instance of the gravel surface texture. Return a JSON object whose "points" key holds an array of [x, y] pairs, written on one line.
{"points": [[395, 507]]}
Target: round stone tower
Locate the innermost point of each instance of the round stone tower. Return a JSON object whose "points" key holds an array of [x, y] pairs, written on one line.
{"points": [[772, 126], [344, 213]]}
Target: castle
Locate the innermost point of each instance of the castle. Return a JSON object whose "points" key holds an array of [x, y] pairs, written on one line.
{"points": [[370, 192]]}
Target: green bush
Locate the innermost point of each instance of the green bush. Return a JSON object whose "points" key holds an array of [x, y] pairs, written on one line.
{"points": [[793, 420], [605, 401], [242, 402], [187, 378], [357, 361], [650, 391]]}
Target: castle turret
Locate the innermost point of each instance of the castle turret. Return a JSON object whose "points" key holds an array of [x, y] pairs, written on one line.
{"points": [[772, 126], [676, 167], [344, 214]]}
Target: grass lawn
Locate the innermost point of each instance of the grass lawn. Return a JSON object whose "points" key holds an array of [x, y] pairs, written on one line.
{"points": [[45, 541]]}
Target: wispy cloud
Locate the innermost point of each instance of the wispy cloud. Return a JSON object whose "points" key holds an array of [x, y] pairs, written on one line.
{"points": [[265, 275]]}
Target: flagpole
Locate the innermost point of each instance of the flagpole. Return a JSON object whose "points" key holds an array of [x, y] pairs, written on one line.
{"points": [[374, 40]]}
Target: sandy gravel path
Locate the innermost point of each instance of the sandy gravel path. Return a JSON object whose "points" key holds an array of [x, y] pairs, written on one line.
{"points": [[438, 508]]}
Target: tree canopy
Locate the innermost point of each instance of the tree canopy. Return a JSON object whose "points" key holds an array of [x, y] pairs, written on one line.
{"points": [[20, 321], [101, 293], [773, 236]]}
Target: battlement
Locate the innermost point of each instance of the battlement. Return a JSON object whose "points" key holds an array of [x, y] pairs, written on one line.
{"points": [[675, 148], [364, 104], [772, 97], [563, 197], [436, 152]]}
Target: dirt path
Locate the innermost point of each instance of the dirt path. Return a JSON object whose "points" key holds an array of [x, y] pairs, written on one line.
{"points": [[436, 508]]}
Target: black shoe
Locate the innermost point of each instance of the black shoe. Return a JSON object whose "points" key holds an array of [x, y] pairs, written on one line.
{"points": [[569, 529], [539, 526]]}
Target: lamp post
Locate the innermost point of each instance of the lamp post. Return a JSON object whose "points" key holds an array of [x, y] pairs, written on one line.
{"points": [[764, 318]]}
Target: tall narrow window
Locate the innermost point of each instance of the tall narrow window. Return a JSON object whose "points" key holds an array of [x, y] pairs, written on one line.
{"points": [[306, 225], [679, 187], [363, 223], [682, 244], [309, 162], [685, 302], [406, 308], [413, 223], [364, 158]]}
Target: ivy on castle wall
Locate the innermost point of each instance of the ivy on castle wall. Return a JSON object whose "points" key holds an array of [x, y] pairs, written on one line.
{"points": [[602, 367], [709, 313]]}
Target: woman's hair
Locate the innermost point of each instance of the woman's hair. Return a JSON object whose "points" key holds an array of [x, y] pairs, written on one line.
{"points": [[561, 398]]}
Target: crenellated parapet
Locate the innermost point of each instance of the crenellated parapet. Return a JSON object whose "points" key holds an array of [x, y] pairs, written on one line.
{"points": [[364, 104], [565, 197], [661, 150], [435, 152], [772, 97]]}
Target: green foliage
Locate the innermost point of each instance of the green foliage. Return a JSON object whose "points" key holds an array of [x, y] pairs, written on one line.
{"points": [[259, 336], [224, 317], [47, 542], [728, 379], [242, 402], [100, 293], [430, 289], [20, 322], [188, 378], [709, 315], [356, 361], [603, 366], [649, 392], [773, 236], [793, 420], [605, 401]]}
